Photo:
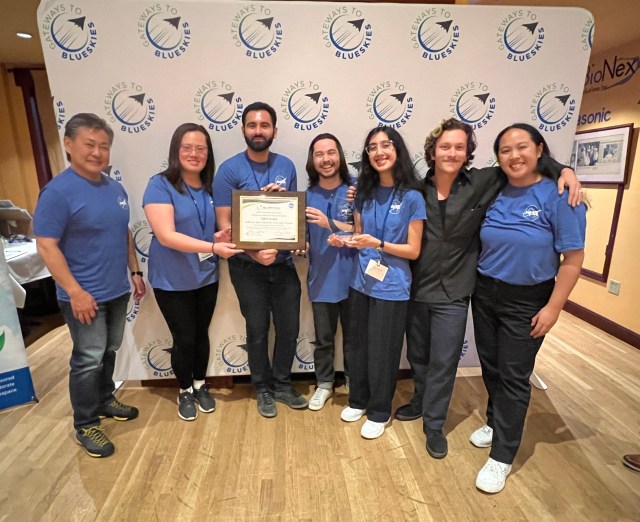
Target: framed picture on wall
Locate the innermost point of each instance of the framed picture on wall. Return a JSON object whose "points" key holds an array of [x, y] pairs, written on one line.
{"points": [[602, 155]]}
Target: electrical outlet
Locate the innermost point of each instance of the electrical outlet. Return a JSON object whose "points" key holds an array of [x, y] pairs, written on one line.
{"points": [[614, 287]]}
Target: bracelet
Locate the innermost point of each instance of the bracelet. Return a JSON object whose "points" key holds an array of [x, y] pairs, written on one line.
{"points": [[136, 272], [212, 252]]}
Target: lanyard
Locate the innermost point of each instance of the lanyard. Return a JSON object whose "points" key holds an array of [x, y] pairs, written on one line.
{"points": [[201, 218], [386, 214], [255, 178]]}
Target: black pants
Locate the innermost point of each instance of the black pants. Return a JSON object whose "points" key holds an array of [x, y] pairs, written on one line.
{"points": [[188, 314], [435, 334], [377, 332], [325, 322], [502, 316], [262, 291]]}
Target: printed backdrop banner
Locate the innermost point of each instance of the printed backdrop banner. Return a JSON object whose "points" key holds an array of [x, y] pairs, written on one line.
{"points": [[16, 386], [325, 67]]}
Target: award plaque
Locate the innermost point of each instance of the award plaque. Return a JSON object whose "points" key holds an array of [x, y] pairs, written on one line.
{"points": [[262, 220]]}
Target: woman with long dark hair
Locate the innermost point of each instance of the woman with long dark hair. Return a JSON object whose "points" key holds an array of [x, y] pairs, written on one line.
{"points": [[532, 253], [183, 259], [389, 216]]}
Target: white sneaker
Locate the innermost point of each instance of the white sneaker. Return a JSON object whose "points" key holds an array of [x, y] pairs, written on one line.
{"points": [[351, 414], [319, 398], [372, 430], [482, 437], [492, 476]]}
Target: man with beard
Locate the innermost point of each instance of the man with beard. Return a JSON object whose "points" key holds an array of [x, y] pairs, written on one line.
{"points": [[328, 211], [266, 282]]}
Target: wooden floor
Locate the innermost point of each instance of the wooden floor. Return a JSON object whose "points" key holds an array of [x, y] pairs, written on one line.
{"points": [[303, 465]]}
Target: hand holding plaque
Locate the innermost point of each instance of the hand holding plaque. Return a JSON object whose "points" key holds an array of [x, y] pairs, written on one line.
{"points": [[263, 220]]}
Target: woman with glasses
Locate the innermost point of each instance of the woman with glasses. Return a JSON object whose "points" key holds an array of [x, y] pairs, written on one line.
{"points": [[183, 259], [389, 216]]}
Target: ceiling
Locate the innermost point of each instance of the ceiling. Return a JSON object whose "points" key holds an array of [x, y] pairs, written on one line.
{"points": [[614, 25]]}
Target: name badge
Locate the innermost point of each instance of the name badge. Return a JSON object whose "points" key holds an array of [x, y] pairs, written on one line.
{"points": [[376, 270], [204, 257]]}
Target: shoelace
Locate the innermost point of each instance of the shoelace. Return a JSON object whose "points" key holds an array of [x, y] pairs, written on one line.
{"points": [[321, 394], [496, 469], [115, 403], [96, 436], [266, 397], [186, 397]]}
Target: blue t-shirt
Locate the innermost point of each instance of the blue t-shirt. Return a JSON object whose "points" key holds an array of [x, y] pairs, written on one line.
{"points": [[193, 213], [241, 173], [90, 220], [398, 210], [525, 230], [329, 267]]}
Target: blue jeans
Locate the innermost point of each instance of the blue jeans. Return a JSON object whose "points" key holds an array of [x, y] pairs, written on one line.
{"points": [[93, 358], [435, 334], [263, 291]]}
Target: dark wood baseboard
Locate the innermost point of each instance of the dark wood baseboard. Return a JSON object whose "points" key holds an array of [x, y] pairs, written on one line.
{"points": [[606, 325]]}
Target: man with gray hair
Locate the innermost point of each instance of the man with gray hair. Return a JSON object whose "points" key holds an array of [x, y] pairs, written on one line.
{"points": [[82, 232]]}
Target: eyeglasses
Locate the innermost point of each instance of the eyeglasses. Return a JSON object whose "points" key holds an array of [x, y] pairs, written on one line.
{"points": [[384, 146], [188, 149]]}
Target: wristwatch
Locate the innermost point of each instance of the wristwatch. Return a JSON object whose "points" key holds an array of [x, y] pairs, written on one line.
{"points": [[381, 246]]}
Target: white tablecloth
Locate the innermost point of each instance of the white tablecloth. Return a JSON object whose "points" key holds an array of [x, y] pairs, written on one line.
{"points": [[25, 266]]}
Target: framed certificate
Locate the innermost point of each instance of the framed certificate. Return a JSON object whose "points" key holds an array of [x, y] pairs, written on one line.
{"points": [[261, 220]]}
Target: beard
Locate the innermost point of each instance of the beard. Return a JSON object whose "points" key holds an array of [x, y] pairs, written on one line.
{"points": [[258, 146]]}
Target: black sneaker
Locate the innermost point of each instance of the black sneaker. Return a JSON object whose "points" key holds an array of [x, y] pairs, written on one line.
{"points": [[206, 403], [95, 442], [291, 398], [118, 411], [187, 407], [266, 404], [437, 445], [408, 412]]}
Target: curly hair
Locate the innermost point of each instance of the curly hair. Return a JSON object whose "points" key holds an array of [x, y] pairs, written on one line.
{"points": [[448, 125]]}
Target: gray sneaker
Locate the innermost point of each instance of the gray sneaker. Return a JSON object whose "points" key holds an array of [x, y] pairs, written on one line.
{"points": [[206, 403], [187, 407], [95, 442], [266, 404], [291, 398]]}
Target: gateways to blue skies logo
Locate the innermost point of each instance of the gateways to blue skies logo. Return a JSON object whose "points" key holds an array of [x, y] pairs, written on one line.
{"points": [[256, 31], [473, 103], [347, 32], [218, 105], [69, 31], [162, 28], [521, 35], [388, 103], [128, 106], [305, 105], [552, 107], [435, 34]]}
